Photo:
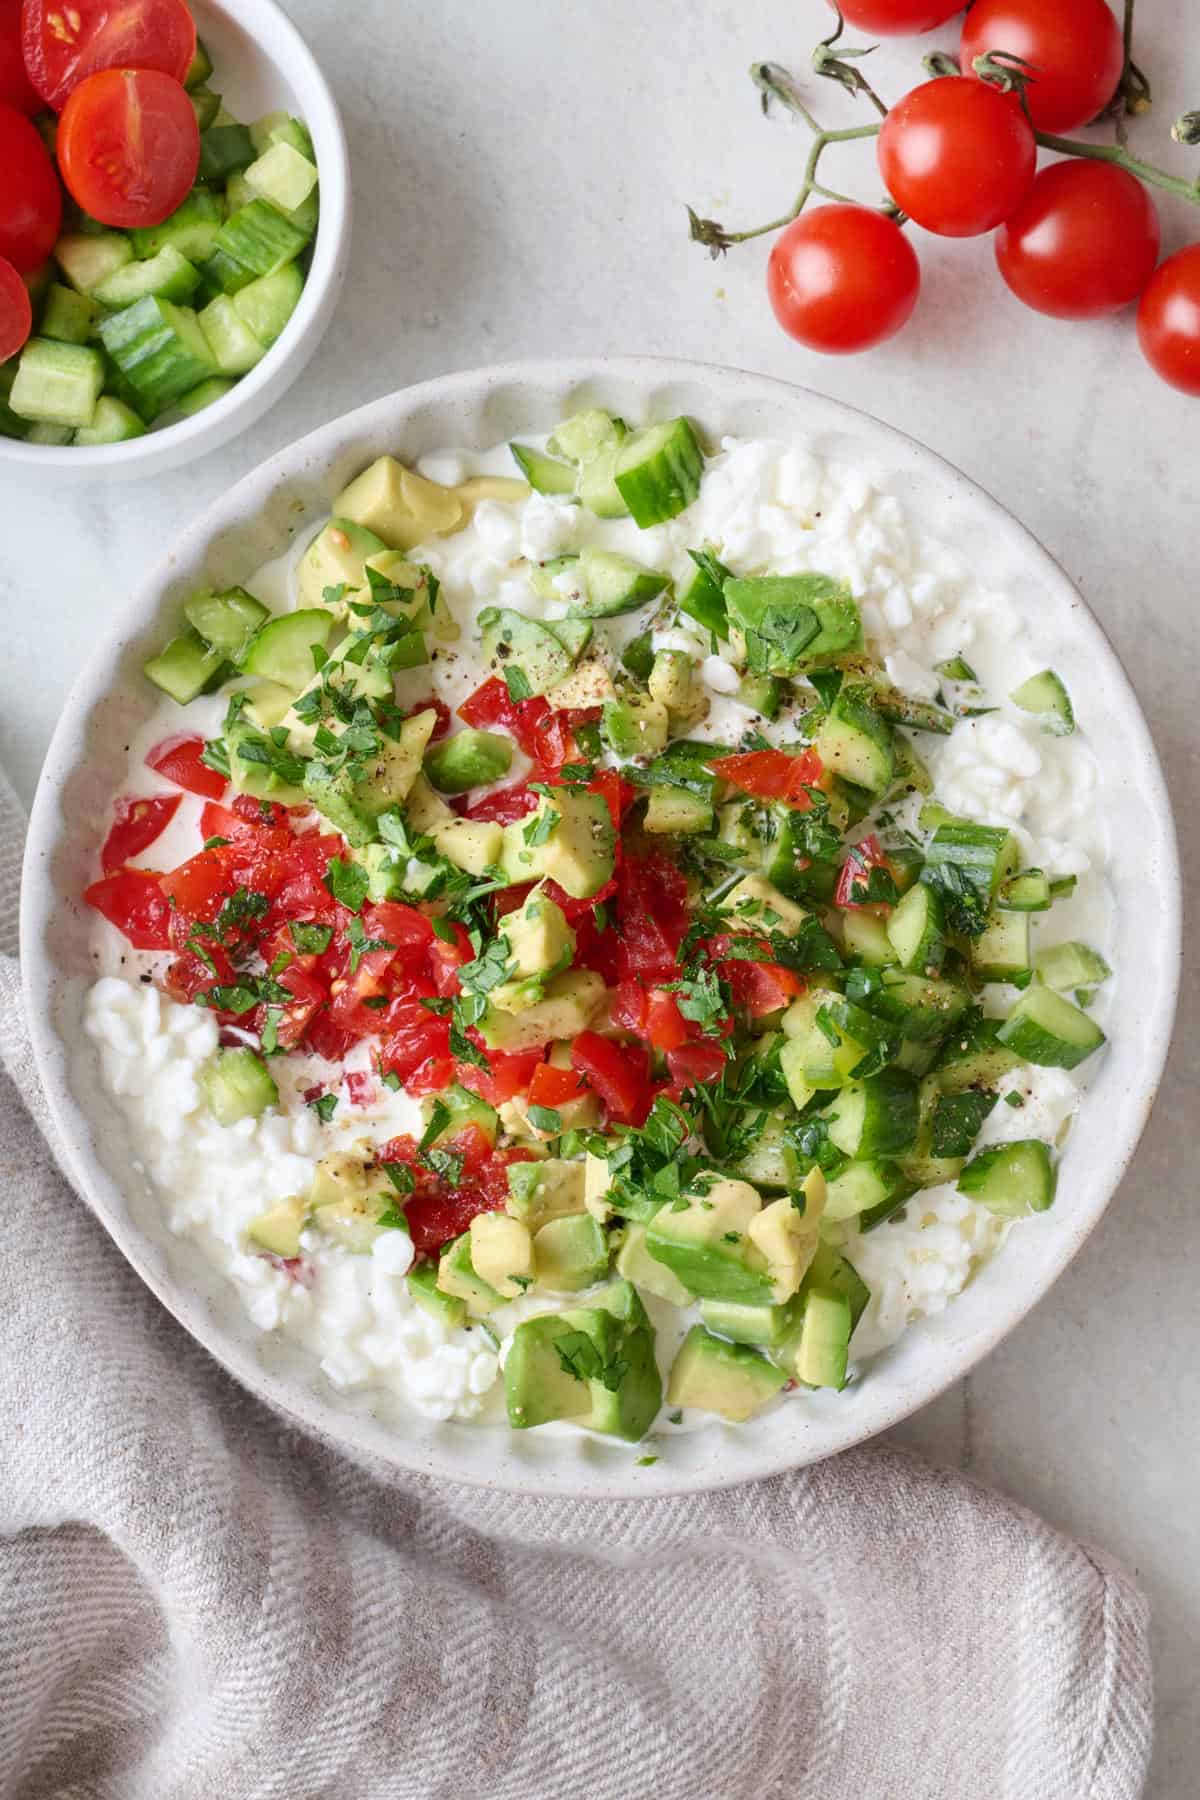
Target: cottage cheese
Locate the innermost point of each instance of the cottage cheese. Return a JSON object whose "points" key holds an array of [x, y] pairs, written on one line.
{"points": [[763, 507]]}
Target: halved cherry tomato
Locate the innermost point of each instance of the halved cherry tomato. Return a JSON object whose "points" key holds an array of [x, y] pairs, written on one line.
{"points": [[177, 759], [619, 1074], [137, 824], [129, 146], [16, 311], [861, 858], [30, 196], [133, 901], [63, 44], [549, 1086], [773, 775], [16, 89]]}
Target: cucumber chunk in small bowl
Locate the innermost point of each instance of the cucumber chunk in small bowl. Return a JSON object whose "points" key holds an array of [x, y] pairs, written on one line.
{"points": [[153, 346]]}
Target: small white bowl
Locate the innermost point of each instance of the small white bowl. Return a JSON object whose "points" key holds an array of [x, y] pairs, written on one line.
{"points": [[271, 508], [261, 64]]}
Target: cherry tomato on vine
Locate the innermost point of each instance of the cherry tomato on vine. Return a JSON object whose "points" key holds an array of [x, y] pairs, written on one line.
{"points": [[1074, 47], [30, 197], [1168, 320], [65, 44], [957, 156], [16, 311], [129, 146], [842, 278], [898, 18], [1082, 243], [15, 86]]}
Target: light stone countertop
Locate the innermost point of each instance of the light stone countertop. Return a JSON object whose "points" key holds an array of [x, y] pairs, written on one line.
{"points": [[520, 178]]}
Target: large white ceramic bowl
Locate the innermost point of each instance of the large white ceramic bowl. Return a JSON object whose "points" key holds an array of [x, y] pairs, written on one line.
{"points": [[256, 520], [261, 64]]}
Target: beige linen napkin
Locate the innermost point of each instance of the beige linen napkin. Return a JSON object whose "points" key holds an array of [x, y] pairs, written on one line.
{"points": [[199, 1603]]}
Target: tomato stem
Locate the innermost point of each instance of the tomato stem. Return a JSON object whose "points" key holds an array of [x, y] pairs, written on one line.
{"points": [[1118, 154]]}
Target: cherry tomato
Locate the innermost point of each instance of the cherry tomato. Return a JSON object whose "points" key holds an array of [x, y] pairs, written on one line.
{"points": [[64, 44], [619, 1073], [1082, 243], [16, 311], [129, 146], [16, 89], [549, 1086], [855, 875], [957, 156], [773, 775], [30, 197], [898, 18], [1074, 48], [1168, 320], [137, 824], [177, 759], [133, 901], [842, 278]]}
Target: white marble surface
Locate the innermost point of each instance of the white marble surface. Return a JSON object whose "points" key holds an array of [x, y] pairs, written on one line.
{"points": [[520, 178]]}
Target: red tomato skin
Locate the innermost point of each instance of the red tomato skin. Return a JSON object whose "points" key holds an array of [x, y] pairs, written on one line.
{"points": [[137, 824], [16, 89], [1168, 320], [30, 197], [177, 759], [773, 775], [129, 146], [1074, 47], [619, 1074], [898, 18], [133, 901], [16, 311], [957, 156], [842, 279], [1083, 242], [62, 46]]}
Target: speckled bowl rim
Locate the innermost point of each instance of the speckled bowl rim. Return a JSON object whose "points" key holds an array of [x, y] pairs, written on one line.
{"points": [[473, 409]]}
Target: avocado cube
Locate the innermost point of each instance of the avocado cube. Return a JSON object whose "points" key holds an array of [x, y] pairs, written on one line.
{"points": [[674, 810], [336, 559], [763, 1327], [398, 505], [353, 802], [278, 1229], [730, 1380], [537, 1385], [570, 839], [538, 937], [474, 845], [421, 1283], [468, 760], [501, 1253], [672, 682], [635, 726], [544, 1190], [630, 1408], [623, 1301], [457, 1277], [706, 1243], [787, 1237], [569, 1253], [348, 1198], [754, 905], [569, 1004], [637, 1265]]}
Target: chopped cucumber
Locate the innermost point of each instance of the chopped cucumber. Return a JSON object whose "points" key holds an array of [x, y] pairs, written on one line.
{"points": [[1012, 1180], [233, 346], [1073, 965], [200, 68], [225, 150], [226, 621], [702, 595], [68, 316], [545, 474], [257, 240], [917, 930], [875, 1117], [169, 274], [1046, 695], [191, 229], [159, 349], [266, 305], [1027, 891], [185, 668], [206, 105], [657, 471], [855, 743], [986, 854], [57, 384], [215, 388], [1047, 1030], [612, 584], [283, 176], [112, 423], [237, 1085], [86, 261], [1002, 951], [282, 649]]}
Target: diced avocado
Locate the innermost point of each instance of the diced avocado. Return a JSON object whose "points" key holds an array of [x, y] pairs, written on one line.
{"points": [[589, 684], [348, 1198], [673, 811], [628, 1408], [788, 1237], [754, 905], [570, 839], [468, 759], [761, 1326], [354, 801], [622, 1300], [278, 1229], [237, 1085], [595, 1365], [634, 726], [447, 1309], [538, 936], [636, 1264], [387, 870], [398, 505], [569, 1005], [597, 1180], [474, 845], [792, 621], [541, 1191], [855, 743], [570, 1253], [714, 1376], [706, 1243], [612, 583], [574, 635], [513, 642], [336, 558], [425, 811], [538, 1386], [457, 1277], [502, 1253], [673, 684], [818, 1350]]}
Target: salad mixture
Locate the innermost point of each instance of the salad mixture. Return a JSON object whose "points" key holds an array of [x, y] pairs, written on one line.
{"points": [[186, 234], [615, 941]]}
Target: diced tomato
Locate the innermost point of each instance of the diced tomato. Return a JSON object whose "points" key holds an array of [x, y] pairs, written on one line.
{"points": [[137, 824], [190, 974], [199, 887], [134, 902], [504, 804], [310, 994], [664, 1026], [651, 917], [549, 1086], [760, 987], [360, 1088], [412, 1036], [438, 1212], [444, 959], [861, 858], [695, 1065], [404, 928], [433, 704], [434, 1076], [618, 792], [488, 706], [619, 1074], [177, 759], [325, 1037], [507, 1076], [594, 949], [773, 775]]}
